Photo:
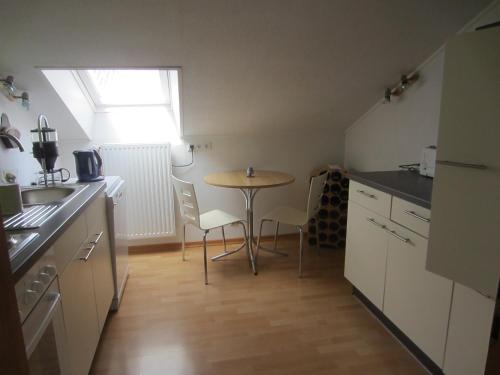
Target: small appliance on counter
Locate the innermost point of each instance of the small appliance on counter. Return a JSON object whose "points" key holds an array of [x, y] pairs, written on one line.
{"points": [[88, 165], [45, 150], [428, 161]]}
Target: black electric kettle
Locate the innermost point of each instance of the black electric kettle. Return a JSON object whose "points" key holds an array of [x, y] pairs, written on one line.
{"points": [[88, 165]]}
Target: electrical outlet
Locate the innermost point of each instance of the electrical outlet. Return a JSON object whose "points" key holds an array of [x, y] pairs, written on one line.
{"points": [[203, 147]]}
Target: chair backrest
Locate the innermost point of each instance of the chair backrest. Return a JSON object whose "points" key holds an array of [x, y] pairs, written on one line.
{"points": [[315, 191], [188, 204]]}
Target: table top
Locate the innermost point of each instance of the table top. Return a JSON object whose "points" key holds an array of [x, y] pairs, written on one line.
{"points": [[238, 179]]}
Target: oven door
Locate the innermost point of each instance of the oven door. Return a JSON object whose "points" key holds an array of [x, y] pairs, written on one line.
{"points": [[44, 334]]}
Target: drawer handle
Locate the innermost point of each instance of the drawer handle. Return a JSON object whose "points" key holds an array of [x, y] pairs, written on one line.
{"points": [[90, 251], [372, 220], [367, 194], [99, 235], [461, 165], [415, 215], [393, 233]]}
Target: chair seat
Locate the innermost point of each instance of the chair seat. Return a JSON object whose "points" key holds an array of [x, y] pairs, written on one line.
{"points": [[287, 215], [216, 218]]}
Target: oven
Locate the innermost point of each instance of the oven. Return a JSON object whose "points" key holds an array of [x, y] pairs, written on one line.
{"points": [[40, 309]]}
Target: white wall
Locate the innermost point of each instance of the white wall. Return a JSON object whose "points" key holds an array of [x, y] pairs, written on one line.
{"points": [[294, 153], [73, 97], [392, 134], [22, 164]]}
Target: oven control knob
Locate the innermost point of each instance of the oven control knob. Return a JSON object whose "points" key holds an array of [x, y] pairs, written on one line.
{"points": [[44, 277], [50, 270], [37, 286], [30, 297]]}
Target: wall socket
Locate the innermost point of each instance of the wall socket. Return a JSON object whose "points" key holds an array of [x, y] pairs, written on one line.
{"points": [[203, 147]]}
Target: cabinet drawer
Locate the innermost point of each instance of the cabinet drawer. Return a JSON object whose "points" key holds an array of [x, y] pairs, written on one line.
{"points": [[96, 215], [411, 216], [69, 243], [370, 198]]}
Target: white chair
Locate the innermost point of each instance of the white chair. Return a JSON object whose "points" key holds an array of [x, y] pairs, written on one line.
{"points": [[190, 213], [292, 216]]}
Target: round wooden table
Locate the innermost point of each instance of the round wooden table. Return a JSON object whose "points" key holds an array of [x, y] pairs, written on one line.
{"points": [[249, 186]]}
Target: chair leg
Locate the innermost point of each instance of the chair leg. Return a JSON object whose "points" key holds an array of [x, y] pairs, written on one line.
{"points": [[301, 250], [251, 258], [224, 239], [317, 237], [184, 241], [205, 255], [258, 242], [276, 235]]}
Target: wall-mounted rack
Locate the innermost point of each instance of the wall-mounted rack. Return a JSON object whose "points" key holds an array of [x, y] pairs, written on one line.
{"points": [[12, 93], [405, 82]]}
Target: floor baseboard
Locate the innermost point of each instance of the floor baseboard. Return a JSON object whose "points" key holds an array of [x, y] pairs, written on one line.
{"points": [[174, 246]]}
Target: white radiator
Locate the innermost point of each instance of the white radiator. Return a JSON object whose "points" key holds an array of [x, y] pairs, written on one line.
{"points": [[146, 169]]}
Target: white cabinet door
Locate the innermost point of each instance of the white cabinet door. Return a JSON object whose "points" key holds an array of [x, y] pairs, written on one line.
{"points": [[102, 278], [100, 258], [416, 300], [464, 244], [469, 332], [366, 250], [80, 315]]}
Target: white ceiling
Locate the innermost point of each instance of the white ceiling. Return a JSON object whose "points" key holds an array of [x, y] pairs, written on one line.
{"points": [[248, 66]]}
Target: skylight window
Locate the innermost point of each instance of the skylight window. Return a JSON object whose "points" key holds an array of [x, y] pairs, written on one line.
{"points": [[124, 88], [111, 104]]}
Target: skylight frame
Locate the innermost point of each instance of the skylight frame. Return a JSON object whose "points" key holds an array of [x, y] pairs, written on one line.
{"points": [[86, 85]]}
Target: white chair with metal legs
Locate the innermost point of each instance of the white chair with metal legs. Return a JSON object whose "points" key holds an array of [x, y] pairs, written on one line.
{"points": [[292, 216], [190, 213]]}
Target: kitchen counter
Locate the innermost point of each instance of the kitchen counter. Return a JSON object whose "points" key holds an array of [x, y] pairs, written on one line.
{"points": [[407, 185], [50, 231]]}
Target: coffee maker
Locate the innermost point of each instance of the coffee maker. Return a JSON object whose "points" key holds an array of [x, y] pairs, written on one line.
{"points": [[45, 150]]}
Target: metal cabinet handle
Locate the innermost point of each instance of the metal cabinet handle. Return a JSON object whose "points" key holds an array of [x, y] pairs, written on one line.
{"points": [[99, 235], [393, 233], [460, 164], [367, 194], [415, 215], [372, 220], [90, 251]]}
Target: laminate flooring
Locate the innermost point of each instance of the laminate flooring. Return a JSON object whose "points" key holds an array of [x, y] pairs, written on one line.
{"points": [[169, 322]]}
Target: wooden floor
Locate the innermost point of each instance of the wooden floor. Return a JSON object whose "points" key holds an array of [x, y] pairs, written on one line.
{"points": [[169, 322]]}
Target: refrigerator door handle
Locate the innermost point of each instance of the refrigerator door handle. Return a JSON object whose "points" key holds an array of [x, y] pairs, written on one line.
{"points": [[460, 164]]}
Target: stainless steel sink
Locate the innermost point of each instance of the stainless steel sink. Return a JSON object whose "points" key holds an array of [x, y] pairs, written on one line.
{"points": [[39, 204], [45, 195]]}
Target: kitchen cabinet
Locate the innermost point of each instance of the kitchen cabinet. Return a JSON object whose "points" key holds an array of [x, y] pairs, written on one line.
{"points": [[464, 242], [80, 314], [366, 251], [101, 258], [469, 330], [86, 283], [416, 300], [385, 260]]}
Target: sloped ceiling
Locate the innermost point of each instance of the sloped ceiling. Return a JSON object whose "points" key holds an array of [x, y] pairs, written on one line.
{"points": [[248, 66]]}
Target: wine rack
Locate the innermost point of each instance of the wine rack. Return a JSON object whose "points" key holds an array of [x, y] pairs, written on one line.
{"points": [[328, 227]]}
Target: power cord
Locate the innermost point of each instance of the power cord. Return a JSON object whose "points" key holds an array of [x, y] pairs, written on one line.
{"points": [[191, 150]]}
